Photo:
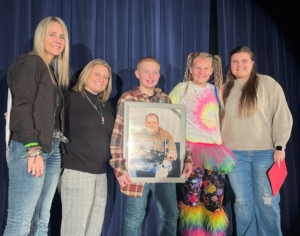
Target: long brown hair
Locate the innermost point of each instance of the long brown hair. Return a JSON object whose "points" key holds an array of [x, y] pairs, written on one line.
{"points": [[248, 100]]}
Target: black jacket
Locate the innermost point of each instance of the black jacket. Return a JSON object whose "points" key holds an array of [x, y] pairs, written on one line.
{"points": [[34, 101]]}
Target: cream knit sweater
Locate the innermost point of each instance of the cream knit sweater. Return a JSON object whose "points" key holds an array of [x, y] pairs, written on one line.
{"points": [[270, 125]]}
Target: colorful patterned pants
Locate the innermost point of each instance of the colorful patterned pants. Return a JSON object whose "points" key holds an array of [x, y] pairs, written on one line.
{"points": [[201, 211]]}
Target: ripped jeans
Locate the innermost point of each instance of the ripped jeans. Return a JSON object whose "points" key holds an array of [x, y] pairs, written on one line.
{"points": [[256, 209]]}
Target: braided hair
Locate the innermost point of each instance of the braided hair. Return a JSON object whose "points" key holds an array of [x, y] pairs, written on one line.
{"points": [[217, 76]]}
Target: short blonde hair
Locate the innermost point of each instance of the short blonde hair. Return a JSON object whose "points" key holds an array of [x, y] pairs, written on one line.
{"points": [[39, 48], [80, 85], [146, 59]]}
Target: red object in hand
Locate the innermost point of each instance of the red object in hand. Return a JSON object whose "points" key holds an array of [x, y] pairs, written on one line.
{"points": [[277, 176]]}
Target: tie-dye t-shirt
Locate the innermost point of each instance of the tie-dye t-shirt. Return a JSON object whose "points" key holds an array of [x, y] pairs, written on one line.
{"points": [[202, 112]]}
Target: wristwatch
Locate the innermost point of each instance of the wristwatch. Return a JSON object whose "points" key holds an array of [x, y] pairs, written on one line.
{"points": [[280, 148]]}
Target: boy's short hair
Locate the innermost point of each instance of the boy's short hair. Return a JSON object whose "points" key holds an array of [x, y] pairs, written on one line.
{"points": [[148, 59]]}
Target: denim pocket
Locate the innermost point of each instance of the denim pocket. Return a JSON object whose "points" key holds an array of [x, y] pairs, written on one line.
{"points": [[44, 154], [16, 152]]}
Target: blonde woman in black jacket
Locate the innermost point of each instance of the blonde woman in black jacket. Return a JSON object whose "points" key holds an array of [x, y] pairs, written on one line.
{"points": [[35, 82]]}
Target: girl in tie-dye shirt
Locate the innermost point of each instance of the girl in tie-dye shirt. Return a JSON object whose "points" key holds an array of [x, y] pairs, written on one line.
{"points": [[201, 211]]}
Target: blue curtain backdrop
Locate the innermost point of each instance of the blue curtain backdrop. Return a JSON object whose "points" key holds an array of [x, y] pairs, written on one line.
{"points": [[246, 23], [121, 32]]}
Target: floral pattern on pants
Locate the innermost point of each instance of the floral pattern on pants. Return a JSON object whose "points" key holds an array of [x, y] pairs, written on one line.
{"points": [[206, 185]]}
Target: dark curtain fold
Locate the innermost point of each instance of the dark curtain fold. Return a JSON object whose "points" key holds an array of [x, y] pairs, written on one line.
{"points": [[246, 23], [120, 32]]}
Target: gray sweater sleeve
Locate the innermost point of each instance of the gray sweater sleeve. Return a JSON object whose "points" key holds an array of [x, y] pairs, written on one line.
{"points": [[282, 120]]}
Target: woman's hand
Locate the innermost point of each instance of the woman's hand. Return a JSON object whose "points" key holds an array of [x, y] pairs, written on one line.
{"points": [[279, 155], [124, 180], [35, 165]]}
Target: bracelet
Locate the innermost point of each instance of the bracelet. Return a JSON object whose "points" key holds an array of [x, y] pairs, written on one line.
{"points": [[31, 145], [33, 151]]}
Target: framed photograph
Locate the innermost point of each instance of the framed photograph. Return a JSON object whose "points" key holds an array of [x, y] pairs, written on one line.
{"points": [[154, 142]]}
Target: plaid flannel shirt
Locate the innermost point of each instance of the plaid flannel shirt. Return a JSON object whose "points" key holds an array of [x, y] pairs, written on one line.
{"points": [[116, 145]]}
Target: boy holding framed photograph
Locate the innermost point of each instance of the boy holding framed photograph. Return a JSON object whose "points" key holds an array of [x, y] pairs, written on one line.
{"points": [[148, 74]]}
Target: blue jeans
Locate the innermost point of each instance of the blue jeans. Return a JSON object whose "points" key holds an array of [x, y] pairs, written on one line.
{"points": [[166, 202], [30, 198], [256, 209]]}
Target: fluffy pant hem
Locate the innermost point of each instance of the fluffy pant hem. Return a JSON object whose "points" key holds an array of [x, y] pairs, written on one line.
{"points": [[197, 220]]}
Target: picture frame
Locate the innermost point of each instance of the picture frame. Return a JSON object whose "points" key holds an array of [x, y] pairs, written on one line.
{"points": [[154, 142]]}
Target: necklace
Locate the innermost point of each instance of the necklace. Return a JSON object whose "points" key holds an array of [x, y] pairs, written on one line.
{"points": [[96, 107]]}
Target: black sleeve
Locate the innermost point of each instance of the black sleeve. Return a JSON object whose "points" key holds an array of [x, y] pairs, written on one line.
{"points": [[67, 107], [24, 77], [112, 109], [67, 102]]}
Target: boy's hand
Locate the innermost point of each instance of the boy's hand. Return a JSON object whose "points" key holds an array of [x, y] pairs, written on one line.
{"points": [[187, 170], [5, 115], [124, 180]]}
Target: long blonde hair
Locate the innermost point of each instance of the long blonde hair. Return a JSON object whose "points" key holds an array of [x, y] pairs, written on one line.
{"points": [[62, 58], [248, 100], [80, 85]]}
